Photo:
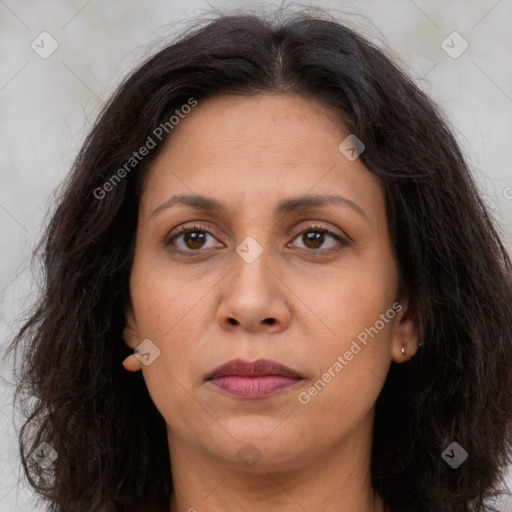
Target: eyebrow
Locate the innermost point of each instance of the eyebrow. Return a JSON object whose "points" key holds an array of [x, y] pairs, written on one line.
{"points": [[204, 203]]}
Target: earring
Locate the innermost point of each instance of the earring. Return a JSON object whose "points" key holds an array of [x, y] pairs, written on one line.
{"points": [[404, 352], [131, 363]]}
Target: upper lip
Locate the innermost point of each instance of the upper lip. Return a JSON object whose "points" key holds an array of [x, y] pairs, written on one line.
{"points": [[252, 369]]}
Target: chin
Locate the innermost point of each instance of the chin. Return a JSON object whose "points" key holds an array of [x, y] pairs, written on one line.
{"points": [[259, 450]]}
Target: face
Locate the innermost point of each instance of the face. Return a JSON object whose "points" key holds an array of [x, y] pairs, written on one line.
{"points": [[310, 285]]}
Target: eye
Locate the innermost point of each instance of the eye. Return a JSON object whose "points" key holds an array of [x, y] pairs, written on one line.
{"points": [[190, 239], [313, 237]]}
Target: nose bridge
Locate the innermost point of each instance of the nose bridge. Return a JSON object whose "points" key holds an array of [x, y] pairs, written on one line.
{"points": [[252, 296], [251, 275], [254, 247]]}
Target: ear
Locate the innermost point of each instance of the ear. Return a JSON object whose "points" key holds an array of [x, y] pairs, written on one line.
{"points": [[405, 333], [130, 335]]}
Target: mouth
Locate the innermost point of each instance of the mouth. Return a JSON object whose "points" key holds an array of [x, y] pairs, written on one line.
{"points": [[256, 379]]}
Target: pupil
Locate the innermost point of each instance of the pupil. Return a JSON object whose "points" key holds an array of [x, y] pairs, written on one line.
{"points": [[196, 238], [315, 238]]}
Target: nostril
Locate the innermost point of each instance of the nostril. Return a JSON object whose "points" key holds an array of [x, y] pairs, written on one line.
{"points": [[270, 321], [232, 321]]}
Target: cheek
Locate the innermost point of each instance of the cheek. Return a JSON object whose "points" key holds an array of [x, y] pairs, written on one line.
{"points": [[353, 359], [351, 373], [353, 298], [167, 305], [168, 313]]}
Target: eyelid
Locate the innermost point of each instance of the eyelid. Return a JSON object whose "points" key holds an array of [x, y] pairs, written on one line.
{"points": [[325, 229]]}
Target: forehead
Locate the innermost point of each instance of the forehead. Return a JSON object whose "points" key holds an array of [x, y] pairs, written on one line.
{"points": [[253, 148], [276, 121]]}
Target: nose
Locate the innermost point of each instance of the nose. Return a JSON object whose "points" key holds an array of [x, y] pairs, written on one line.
{"points": [[253, 298]]}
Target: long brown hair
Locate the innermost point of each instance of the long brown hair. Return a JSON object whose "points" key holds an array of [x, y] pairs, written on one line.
{"points": [[110, 439]]}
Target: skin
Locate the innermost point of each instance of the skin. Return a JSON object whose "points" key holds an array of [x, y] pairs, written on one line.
{"points": [[250, 152]]}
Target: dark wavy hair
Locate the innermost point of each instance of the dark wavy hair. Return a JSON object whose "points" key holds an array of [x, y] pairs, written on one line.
{"points": [[111, 440]]}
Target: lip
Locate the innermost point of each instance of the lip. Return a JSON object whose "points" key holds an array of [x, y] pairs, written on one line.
{"points": [[253, 379]]}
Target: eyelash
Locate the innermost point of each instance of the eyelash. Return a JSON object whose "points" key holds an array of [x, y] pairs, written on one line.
{"points": [[168, 241]]}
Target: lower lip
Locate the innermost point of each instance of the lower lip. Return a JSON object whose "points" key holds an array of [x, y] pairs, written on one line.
{"points": [[254, 387]]}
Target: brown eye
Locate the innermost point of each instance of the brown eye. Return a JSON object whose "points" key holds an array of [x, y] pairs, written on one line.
{"points": [[194, 239], [190, 239], [314, 238]]}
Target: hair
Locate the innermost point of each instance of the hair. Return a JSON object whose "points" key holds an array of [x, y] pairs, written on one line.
{"points": [[111, 440]]}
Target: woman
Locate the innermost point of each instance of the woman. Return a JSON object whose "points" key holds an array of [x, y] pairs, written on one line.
{"points": [[271, 284]]}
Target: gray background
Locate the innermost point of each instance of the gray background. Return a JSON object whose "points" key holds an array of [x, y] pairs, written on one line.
{"points": [[48, 105]]}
